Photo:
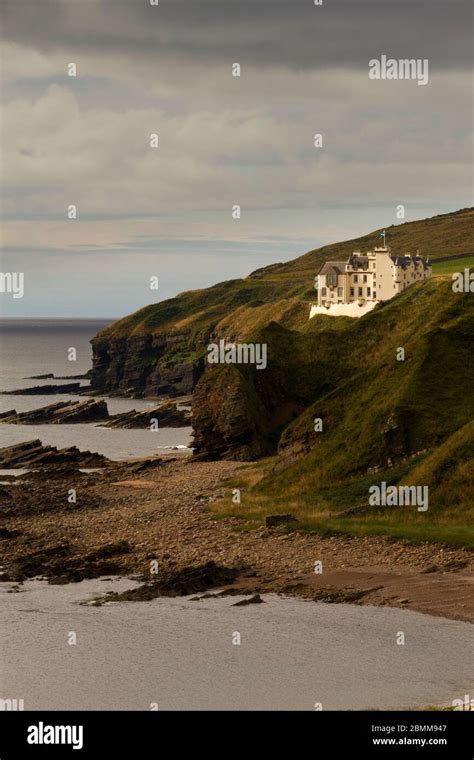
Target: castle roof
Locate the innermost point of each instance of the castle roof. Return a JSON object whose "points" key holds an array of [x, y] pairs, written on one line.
{"points": [[358, 262], [405, 261], [338, 267]]}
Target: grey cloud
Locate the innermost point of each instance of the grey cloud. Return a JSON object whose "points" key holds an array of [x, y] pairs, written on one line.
{"points": [[287, 33]]}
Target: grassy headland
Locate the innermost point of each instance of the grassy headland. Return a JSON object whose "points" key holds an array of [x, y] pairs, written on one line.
{"points": [[401, 422]]}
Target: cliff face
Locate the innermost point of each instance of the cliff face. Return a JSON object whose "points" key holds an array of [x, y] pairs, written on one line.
{"points": [[229, 421], [143, 365], [374, 409]]}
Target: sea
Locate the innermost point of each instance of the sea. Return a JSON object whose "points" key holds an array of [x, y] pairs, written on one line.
{"points": [[42, 346], [181, 654]]}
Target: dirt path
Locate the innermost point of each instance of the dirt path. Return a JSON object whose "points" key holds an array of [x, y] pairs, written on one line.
{"points": [[162, 513]]}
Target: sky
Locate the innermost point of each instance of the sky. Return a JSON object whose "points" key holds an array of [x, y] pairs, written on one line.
{"points": [[166, 212]]}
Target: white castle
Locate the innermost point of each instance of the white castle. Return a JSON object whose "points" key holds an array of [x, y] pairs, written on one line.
{"points": [[354, 287]]}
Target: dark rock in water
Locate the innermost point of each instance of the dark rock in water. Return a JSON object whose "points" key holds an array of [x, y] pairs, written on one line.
{"points": [[232, 591], [255, 599], [331, 595], [10, 413], [61, 413], [272, 521], [54, 472], [51, 376], [33, 454], [37, 563], [43, 390], [190, 580], [166, 415], [47, 376], [56, 563]]}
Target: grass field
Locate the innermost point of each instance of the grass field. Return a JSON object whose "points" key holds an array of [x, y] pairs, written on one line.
{"points": [[454, 265], [322, 513]]}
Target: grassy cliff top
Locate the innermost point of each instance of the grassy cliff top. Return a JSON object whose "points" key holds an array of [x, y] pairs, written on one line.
{"points": [[197, 313]]}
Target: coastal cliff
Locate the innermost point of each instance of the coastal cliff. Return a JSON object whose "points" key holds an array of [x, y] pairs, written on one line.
{"points": [[334, 368], [146, 365], [160, 350]]}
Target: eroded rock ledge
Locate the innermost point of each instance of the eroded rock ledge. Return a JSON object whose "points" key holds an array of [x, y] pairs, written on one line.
{"points": [[91, 410], [61, 413], [33, 453]]}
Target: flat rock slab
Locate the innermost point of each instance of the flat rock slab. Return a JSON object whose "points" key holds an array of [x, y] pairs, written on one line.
{"points": [[61, 413], [44, 390], [34, 453]]}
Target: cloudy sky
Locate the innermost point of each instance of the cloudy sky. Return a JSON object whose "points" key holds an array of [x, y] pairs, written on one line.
{"points": [[223, 140]]}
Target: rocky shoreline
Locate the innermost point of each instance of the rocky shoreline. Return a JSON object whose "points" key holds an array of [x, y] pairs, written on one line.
{"points": [[167, 414], [151, 518]]}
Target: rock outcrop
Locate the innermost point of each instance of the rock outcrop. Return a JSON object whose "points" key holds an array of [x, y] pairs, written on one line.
{"points": [[229, 422], [62, 413], [166, 415], [52, 376], [69, 412], [34, 454], [141, 366], [44, 390]]}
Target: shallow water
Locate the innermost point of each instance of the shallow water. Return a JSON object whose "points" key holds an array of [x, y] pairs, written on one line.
{"points": [[112, 442], [31, 347], [179, 653]]}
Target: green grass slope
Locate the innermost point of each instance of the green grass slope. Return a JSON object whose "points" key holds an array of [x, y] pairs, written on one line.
{"points": [[404, 422]]}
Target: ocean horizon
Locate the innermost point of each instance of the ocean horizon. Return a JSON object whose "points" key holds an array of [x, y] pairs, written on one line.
{"points": [[31, 347]]}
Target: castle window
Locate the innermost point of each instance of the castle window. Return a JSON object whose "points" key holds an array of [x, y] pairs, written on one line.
{"points": [[365, 278], [352, 291], [331, 279], [339, 292], [323, 292], [355, 278], [360, 292], [368, 291]]}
